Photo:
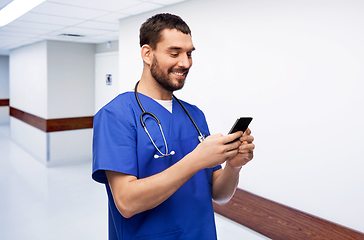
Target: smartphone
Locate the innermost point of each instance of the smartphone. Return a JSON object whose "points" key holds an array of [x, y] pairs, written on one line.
{"points": [[241, 124]]}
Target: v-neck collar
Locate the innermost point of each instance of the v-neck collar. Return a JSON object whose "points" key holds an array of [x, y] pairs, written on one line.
{"points": [[167, 104], [174, 102]]}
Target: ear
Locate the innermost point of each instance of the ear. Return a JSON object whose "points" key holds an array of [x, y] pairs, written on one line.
{"points": [[147, 54]]}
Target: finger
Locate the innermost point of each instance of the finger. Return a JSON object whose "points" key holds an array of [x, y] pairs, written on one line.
{"points": [[245, 151], [232, 153], [232, 137], [246, 148], [247, 154], [233, 146], [247, 139], [247, 131]]}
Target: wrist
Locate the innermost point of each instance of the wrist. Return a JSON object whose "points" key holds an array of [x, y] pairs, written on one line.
{"points": [[232, 168], [192, 163]]}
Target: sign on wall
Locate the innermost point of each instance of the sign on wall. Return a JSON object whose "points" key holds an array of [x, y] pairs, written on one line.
{"points": [[108, 79]]}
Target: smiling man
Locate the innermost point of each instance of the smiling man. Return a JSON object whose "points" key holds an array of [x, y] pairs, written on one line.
{"points": [[160, 172]]}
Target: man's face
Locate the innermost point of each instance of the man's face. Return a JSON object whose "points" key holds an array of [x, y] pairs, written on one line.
{"points": [[172, 59]]}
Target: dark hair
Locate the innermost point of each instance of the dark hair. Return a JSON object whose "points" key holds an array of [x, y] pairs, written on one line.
{"points": [[150, 31]]}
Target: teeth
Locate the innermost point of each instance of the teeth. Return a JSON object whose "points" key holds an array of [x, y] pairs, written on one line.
{"points": [[179, 74]]}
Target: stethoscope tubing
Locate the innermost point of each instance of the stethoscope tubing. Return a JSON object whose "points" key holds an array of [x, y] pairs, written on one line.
{"points": [[201, 137]]}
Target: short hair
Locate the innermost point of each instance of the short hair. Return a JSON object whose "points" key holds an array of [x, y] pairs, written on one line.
{"points": [[150, 31]]}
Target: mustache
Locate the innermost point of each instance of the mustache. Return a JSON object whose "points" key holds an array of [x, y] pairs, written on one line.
{"points": [[184, 70]]}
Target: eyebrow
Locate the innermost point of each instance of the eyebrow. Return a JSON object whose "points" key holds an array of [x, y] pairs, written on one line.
{"points": [[179, 48]]}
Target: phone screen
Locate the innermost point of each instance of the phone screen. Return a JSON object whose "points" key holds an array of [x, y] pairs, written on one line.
{"points": [[241, 124]]}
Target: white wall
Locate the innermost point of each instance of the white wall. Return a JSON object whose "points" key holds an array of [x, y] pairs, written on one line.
{"points": [[4, 77], [296, 67], [28, 79], [106, 63], [31, 139], [53, 79], [4, 115], [67, 147], [70, 72], [71, 93], [28, 92], [4, 88], [106, 47]]}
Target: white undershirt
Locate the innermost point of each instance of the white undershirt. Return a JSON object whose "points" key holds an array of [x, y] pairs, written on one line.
{"points": [[165, 103]]}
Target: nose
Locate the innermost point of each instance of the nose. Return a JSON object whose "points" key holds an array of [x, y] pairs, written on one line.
{"points": [[185, 61]]}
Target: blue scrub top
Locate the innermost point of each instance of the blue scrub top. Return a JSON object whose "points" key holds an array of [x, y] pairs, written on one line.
{"points": [[120, 144]]}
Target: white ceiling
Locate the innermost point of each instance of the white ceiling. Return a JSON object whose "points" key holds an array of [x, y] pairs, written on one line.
{"points": [[96, 20]]}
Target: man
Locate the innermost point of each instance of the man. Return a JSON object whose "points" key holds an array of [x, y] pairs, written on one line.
{"points": [[161, 182]]}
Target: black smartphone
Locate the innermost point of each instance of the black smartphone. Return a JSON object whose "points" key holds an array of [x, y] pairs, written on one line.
{"points": [[241, 124]]}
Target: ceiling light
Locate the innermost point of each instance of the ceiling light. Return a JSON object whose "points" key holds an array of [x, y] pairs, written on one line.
{"points": [[16, 9]]}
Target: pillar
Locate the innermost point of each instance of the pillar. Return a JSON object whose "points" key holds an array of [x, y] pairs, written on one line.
{"points": [[52, 100]]}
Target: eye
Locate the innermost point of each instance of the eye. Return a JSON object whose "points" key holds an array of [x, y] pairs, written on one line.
{"points": [[189, 54], [174, 55]]}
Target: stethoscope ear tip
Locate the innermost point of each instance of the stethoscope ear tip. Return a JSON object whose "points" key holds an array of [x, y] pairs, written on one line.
{"points": [[172, 153]]}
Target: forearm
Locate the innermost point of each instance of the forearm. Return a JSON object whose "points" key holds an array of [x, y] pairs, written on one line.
{"points": [[132, 195], [225, 184]]}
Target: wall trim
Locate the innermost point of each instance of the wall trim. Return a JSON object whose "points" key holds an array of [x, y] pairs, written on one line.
{"points": [[4, 102], [52, 125], [277, 221]]}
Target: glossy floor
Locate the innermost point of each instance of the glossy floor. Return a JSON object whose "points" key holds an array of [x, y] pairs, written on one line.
{"points": [[60, 202], [47, 203]]}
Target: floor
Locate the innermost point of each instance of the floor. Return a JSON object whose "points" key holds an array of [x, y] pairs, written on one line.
{"points": [[47, 203], [61, 202]]}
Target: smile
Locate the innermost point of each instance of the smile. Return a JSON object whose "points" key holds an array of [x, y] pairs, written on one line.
{"points": [[179, 73]]}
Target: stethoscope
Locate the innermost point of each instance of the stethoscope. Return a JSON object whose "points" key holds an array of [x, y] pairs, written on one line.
{"points": [[201, 137]]}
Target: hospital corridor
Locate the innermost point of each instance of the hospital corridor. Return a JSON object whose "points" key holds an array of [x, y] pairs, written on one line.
{"points": [[293, 68], [60, 202]]}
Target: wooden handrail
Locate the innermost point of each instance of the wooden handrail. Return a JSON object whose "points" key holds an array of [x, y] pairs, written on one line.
{"points": [[52, 125], [280, 222], [4, 102]]}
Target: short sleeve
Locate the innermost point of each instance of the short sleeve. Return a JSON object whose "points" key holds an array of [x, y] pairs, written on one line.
{"points": [[216, 168], [114, 142]]}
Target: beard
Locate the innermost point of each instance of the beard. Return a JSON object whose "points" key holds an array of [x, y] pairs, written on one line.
{"points": [[163, 78]]}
